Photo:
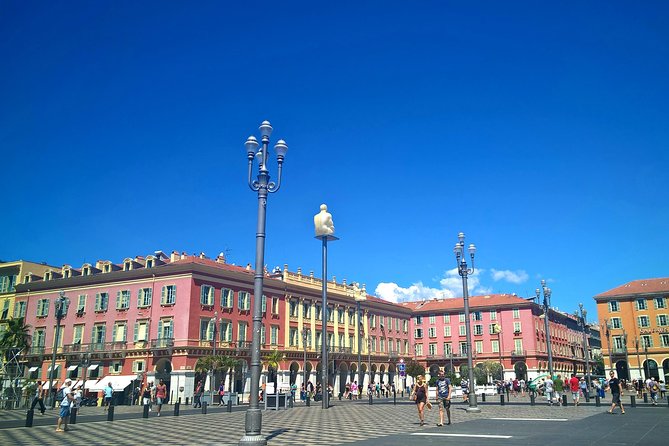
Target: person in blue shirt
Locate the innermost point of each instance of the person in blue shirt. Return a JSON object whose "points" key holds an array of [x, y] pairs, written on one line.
{"points": [[109, 392], [444, 392]]}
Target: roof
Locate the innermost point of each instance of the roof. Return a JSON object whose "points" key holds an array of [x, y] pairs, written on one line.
{"points": [[213, 263], [638, 287], [489, 300]]}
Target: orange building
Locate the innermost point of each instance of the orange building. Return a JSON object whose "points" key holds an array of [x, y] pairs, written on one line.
{"points": [[635, 323]]}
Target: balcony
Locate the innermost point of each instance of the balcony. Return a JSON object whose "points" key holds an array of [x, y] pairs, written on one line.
{"points": [[519, 353], [344, 350], [35, 350], [620, 351], [393, 354], [162, 343], [448, 356]]}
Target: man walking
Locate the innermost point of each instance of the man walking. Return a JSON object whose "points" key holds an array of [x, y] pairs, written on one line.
{"points": [[558, 385], [575, 387], [653, 389], [616, 392], [65, 404], [38, 398], [444, 390], [161, 395]]}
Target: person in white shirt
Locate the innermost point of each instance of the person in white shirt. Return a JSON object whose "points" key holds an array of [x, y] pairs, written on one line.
{"points": [[65, 404]]}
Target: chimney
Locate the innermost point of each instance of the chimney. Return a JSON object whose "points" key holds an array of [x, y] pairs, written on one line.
{"points": [[174, 256], [220, 258]]}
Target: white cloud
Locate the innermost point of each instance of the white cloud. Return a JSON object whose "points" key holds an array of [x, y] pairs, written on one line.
{"points": [[516, 277]]}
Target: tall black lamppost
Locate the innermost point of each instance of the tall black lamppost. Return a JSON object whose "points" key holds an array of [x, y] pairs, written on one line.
{"points": [[546, 306], [627, 357], [607, 332], [304, 366], [60, 305], [214, 320], [586, 347], [464, 271], [646, 368], [498, 330], [263, 186], [360, 296], [638, 358]]}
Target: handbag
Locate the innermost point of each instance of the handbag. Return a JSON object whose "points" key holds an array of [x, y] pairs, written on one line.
{"points": [[428, 405]]}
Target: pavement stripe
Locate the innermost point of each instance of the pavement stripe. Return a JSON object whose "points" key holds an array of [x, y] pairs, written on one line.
{"points": [[431, 434], [530, 419]]}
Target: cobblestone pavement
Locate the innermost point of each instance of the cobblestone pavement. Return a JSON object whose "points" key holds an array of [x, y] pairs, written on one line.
{"points": [[345, 422]]}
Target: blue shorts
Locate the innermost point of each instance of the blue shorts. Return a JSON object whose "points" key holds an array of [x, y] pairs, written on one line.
{"points": [[64, 411]]}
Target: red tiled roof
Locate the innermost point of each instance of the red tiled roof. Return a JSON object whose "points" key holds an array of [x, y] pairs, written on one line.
{"points": [[490, 300], [213, 263], [643, 286]]}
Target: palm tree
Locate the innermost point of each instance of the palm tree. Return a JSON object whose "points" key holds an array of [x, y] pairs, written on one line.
{"points": [[206, 364], [230, 364], [272, 360], [15, 338]]}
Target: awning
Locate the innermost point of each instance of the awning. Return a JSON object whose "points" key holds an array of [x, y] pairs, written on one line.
{"points": [[47, 384], [72, 367], [91, 384], [49, 368], [93, 366], [33, 369], [118, 382]]}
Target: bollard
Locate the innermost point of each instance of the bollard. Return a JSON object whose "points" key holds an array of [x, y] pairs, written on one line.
{"points": [[290, 401], [176, 408], [394, 398], [73, 415], [204, 408], [598, 401], [186, 401], [308, 401], [501, 399], [29, 418], [230, 404], [370, 399], [110, 413], [145, 412], [645, 397], [564, 400], [532, 399], [587, 397], [633, 400], [483, 397]]}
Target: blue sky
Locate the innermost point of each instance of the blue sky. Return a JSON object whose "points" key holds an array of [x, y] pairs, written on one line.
{"points": [[538, 130]]}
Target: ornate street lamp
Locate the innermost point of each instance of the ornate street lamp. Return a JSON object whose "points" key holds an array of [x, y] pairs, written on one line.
{"points": [[498, 331], [586, 347], [60, 305], [263, 186], [464, 271], [546, 306], [214, 320]]}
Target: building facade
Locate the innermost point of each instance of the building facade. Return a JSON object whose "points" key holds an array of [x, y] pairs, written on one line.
{"points": [[153, 317], [635, 324]]}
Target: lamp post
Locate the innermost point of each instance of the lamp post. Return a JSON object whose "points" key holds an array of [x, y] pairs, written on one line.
{"points": [[586, 348], [304, 365], [498, 330], [546, 306], [369, 366], [464, 271], [638, 358], [607, 324], [85, 358], [360, 296], [646, 367], [324, 231], [59, 304], [627, 358], [263, 186], [214, 320]]}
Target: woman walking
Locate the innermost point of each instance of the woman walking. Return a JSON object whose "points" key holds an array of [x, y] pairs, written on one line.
{"points": [[419, 396]]}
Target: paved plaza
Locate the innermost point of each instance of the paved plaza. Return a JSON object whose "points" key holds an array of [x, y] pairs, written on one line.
{"points": [[360, 424]]}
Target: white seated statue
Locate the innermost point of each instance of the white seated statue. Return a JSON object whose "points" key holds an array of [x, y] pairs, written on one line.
{"points": [[323, 222]]}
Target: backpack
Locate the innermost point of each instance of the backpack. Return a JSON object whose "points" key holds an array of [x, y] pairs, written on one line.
{"points": [[654, 388], [60, 396]]}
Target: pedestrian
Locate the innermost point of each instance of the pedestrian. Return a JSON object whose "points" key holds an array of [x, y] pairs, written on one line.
{"points": [[293, 391], [515, 387], [109, 393], [654, 389], [420, 397], [639, 387], [65, 404], [663, 389], [221, 393], [522, 387], [444, 391], [347, 391], [78, 396], [558, 388], [464, 385], [197, 395], [354, 390], [310, 389], [583, 385], [548, 390], [161, 395], [575, 387], [39, 398], [616, 392], [146, 395]]}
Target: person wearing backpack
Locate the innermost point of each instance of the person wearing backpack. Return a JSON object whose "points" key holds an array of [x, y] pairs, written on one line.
{"points": [[654, 389], [65, 405]]}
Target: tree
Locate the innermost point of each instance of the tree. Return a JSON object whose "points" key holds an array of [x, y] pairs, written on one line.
{"points": [[15, 338], [230, 364], [413, 369], [206, 364], [273, 360], [598, 367]]}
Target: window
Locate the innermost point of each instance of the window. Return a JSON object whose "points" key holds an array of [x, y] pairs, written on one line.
{"points": [[478, 346], [5, 310], [432, 349], [661, 320], [618, 343], [263, 304], [641, 304], [149, 264], [478, 329], [317, 312], [115, 368], [463, 330], [463, 348], [306, 310], [101, 301], [493, 315], [263, 336], [418, 320], [39, 337], [98, 336], [516, 313], [241, 334], [123, 300], [330, 313], [138, 366], [226, 297], [275, 305], [616, 322], [207, 329], [340, 315], [644, 321], [432, 332], [207, 295], [419, 349], [119, 332], [81, 304], [647, 341], [660, 302], [461, 317], [274, 335], [664, 340], [43, 308], [141, 333], [292, 308], [495, 346], [418, 333], [614, 306], [144, 297], [351, 317], [477, 316], [447, 331], [447, 318], [166, 328], [447, 349], [78, 334], [405, 326], [292, 337], [7, 284], [518, 345], [226, 330], [491, 329], [20, 309], [243, 300], [168, 295], [86, 271], [517, 327], [433, 319], [372, 320]]}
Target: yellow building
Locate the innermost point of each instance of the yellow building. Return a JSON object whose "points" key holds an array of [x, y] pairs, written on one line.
{"points": [[635, 328], [12, 274]]}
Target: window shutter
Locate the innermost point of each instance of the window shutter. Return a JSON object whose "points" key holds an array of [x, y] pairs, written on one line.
{"points": [[163, 298], [160, 325]]}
